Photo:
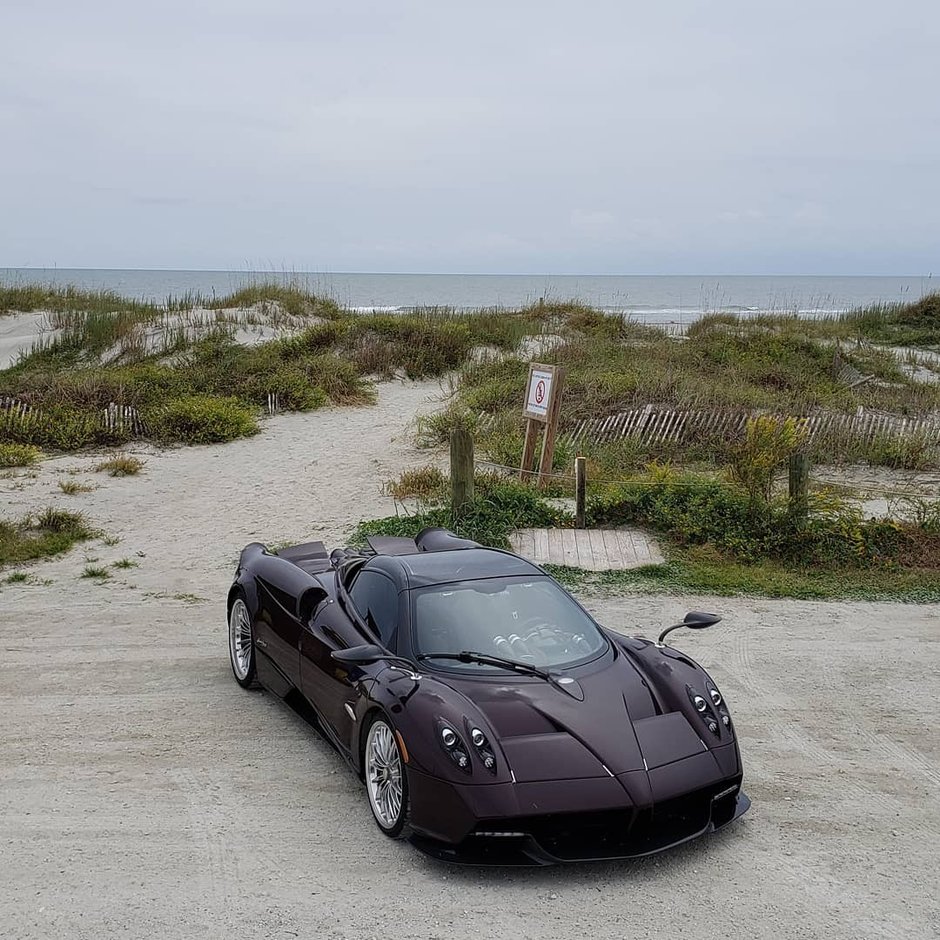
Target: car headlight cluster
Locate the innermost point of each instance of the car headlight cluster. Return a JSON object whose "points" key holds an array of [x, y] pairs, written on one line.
{"points": [[459, 753], [712, 712]]}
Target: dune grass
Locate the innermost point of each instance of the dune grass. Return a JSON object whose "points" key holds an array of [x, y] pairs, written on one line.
{"points": [[915, 324], [180, 366], [121, 466], [191, 381], [780, 364]]}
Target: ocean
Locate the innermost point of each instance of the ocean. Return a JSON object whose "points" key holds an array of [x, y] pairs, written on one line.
{"points": [[654, 299]]}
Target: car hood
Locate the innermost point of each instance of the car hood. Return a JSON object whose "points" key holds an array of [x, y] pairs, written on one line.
{"points": [[548, 734]]}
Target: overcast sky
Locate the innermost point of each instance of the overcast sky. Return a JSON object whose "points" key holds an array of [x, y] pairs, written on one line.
{"points": [[688, 136]]}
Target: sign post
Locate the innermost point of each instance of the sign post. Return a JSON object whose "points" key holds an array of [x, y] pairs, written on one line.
{"points": [[542, 407]]}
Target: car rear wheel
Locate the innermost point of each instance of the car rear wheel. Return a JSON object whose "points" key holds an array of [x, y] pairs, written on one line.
{"points": [[241, 642], [386, 780]]}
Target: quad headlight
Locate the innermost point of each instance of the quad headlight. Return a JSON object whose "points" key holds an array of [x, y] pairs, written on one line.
{"points": [[711, 712], [455, 748]]}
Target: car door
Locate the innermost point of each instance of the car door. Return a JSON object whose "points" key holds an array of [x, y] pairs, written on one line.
{"points": [[278, 631], [326, 683]]}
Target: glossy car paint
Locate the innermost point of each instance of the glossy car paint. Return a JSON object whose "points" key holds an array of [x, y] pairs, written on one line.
{"points": [[627, 753]]}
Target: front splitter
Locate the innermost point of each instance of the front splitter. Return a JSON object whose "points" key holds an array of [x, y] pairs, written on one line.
{"points": [[526, 851]]}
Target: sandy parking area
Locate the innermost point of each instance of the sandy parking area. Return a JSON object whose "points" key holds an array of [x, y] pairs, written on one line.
{"points": [[143, 794]]}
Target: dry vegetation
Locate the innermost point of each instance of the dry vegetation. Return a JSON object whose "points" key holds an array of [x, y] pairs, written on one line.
{"points": [[190, 373]]}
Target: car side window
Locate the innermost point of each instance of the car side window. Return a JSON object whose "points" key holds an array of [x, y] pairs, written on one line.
{"points": [[376, 600]]}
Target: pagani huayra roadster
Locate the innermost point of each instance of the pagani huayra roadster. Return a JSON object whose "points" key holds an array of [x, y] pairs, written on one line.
{"points": [[490, 717]]}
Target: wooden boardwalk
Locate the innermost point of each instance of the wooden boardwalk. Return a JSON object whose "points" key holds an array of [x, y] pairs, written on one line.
{"points": [[593, 549]]}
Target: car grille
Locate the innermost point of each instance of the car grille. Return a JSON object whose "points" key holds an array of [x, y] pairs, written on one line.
{"points": [[618, 833]]}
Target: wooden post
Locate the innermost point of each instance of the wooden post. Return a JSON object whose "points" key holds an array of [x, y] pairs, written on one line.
{"points": [[551, 428], [461, 468], [799, 484], [580, 490], [528, 448]]}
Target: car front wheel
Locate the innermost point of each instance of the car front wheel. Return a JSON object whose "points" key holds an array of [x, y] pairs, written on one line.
{"points": [[241, 642], [386, 780]]}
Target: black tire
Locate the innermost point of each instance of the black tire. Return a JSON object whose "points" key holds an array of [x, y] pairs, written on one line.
{"points": [[244, 675], [394, 825]]}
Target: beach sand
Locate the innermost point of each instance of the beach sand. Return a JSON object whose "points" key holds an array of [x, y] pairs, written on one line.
{"points": [[144, 794]]}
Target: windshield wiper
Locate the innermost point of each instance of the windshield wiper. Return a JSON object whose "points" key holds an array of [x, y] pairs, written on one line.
{"points": [[467, 656]]}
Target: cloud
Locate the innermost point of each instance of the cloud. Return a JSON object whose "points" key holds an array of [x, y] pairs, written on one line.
{"points": [[532, 136]]}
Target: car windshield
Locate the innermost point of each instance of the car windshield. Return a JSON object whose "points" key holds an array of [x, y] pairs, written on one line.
{"points": [[530, 620]]}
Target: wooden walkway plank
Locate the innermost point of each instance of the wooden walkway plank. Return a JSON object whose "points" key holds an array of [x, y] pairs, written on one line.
{"points": [[592, 549]]}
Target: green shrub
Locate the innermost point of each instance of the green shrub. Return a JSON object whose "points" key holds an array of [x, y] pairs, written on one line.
{"points": [[18, 455], [702, 511], [201, 419], [498, 507], [768, 442]]}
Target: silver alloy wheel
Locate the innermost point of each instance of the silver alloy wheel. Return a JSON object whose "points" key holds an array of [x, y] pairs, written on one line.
{"points": [[384, 775], [239, 638]]}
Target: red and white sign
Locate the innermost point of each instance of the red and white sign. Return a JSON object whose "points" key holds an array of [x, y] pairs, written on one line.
{"points": [[539, 392]]}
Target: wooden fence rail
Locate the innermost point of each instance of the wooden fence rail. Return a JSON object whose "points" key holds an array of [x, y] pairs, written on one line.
{"points": [[652, 425]]}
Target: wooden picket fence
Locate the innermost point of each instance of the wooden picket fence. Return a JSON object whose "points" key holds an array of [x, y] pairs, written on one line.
{"points": [[15, 413], [652, 425]]}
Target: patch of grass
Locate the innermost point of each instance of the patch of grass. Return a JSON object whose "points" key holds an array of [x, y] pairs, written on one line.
{"points": [[293, 298], [50, 533], [125, 563], [18, 577], [73, 487], [111, 540], [18, 455], [686, 573], [95, 571], [914, 324], [426, 483], [123, 466]]}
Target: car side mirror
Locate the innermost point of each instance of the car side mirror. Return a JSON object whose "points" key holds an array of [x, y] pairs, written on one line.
{"points": [[694, 620], [360, 655]]}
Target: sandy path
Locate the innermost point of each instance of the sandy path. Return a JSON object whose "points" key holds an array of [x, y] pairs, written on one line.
{"points": [[143, 794], [192, 509]]}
